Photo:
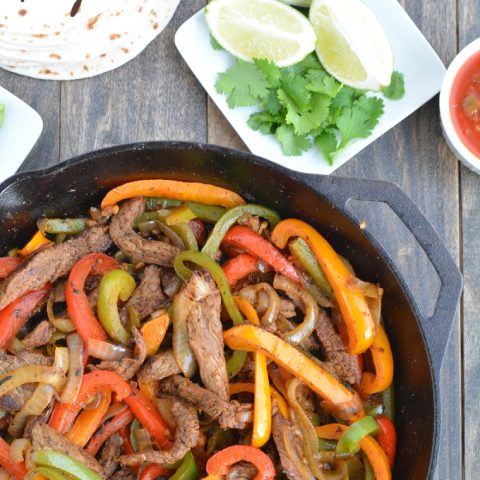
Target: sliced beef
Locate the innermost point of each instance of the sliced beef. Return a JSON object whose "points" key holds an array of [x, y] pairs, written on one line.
{"points": [[205, 332], [16, 398], [44, 436], [123, 474], [59, 292], [285, 433], [5, 421], [135, 247], [127, 367], [186, 437], [287, 308], [109, 455], [335, 352], [242, 471], [171, 282], [158, 367], [148, 297], [39, 336], [229, 414], [52, 263]]}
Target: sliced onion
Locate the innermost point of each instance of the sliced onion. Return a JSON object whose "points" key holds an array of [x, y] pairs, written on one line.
{"points": [[61, 360], [34, 406], [106, 350], [147, 228], [16, 346], [144, 442], [268, 311], [367, 289], [164, 406], [18, 449], [293, 455], [75, 371], [113, 411], [33, 374], [94, 401], [65, 325]]}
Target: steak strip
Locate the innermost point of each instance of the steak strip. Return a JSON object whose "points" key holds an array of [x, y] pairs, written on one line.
{"points": [[160, 366], [52, 263], [135, 247]]}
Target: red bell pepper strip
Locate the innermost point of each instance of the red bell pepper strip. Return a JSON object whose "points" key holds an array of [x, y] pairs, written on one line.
{"points": [[14, 316], [220, 463], [16, 470], [239, 267], [77, 301], [154, 470], [387, 437], [118, 422], [149, 417], [256, 245], [64, 414], [8, 265]]}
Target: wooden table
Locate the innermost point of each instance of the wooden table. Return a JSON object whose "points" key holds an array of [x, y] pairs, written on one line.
{"points": [[155, 97]]}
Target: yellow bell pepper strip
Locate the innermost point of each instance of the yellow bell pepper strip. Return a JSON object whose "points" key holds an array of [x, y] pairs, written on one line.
{"points": [[38, 241], [383, 361], [179, 215], [219, 465], [236, 361], [253, 339], [374, 452], [16, 470], [246, 387], [153, 333], [89, 420], [185, 191], [262, 404], [149, 388], [61, 461], [353, 305], [114, 285]]}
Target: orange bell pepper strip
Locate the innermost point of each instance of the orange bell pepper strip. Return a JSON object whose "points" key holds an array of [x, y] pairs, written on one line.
{"points": [[239, 267], [262, 404], [219, 465], [374, 452], [89, 420], [347, 404], [153, 333], [149, 388], [387, 437], [383, 361], [353, 305], [257, 246], [15, 315], [185, 191], [8, 265], [119, 421], [16, 470], [38, 241]]}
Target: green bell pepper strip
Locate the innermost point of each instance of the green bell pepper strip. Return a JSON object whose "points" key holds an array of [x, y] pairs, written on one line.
{"points": [[150, 217], [326, 445], [369, 473], [2, 114], [158, 203], [388, 397], [114, 285], [46, 472], [185, 232], [229, 219], [61, 461], [188, 470], [350, 441], [71, 226], [301, 251], [207, 213], [133, 438], [236, 361]]}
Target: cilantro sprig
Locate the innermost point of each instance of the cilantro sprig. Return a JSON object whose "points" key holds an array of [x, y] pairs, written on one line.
{"points": [[303, 105]]}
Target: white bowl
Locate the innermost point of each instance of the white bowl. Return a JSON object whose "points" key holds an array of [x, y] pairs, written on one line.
{"points": [[468, 158]]}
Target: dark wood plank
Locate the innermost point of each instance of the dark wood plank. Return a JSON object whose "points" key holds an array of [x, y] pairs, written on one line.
{"points": [[414, 156], [153, 97], [468, 30], [44, 97]]}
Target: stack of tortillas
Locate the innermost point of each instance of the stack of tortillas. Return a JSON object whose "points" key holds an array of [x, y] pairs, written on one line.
{"points": [[68, 39]]}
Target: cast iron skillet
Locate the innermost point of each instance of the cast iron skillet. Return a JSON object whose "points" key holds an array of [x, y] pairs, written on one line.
{"points": [[418, 343]]}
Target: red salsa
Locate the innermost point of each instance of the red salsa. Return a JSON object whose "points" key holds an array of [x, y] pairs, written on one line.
{"points": [[465, 104]]}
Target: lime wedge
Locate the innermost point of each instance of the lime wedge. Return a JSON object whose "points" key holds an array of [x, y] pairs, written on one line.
{"points": [[298, 3], [351, 43], [261, 29]]}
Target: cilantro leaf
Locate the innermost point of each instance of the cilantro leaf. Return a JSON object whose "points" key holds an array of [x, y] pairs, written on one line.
{"points": [[295, 88], [310, 62], [244, 83], [215, 45], [303, 122], [396, 89], [264, 122], [326, 142], [320, 108], [321, 82], [292, 144], [271, 71], [271, 102], [359, 120]]}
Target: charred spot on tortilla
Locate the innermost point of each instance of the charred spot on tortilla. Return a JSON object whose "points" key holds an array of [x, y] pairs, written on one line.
{"points": [[76, 7], [22, 12]]}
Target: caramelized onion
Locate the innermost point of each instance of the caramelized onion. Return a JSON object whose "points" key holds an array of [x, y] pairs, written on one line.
{"points": [[75, 371], [64, 325], [18, 449], [106, 350], [114, 410], [269, 310]]}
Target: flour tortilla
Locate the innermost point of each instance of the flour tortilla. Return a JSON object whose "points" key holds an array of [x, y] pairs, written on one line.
{"points": [[47, 43]]}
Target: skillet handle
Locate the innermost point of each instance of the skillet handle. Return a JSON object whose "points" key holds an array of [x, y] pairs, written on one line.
{"points": [[437, 328]]}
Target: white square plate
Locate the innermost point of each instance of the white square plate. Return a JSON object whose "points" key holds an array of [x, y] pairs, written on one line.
{"points": [[413, 56], [21, 128]]}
